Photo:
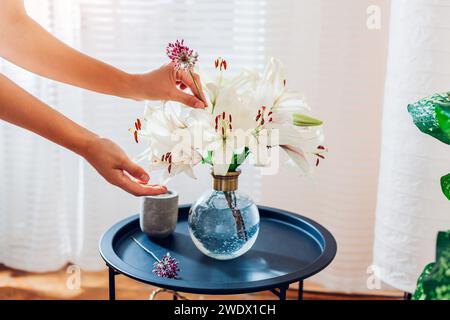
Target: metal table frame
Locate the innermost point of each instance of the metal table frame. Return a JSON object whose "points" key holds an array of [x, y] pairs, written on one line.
{"points": [[280, 291]]}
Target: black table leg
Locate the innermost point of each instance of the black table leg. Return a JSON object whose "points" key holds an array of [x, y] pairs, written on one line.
{"points": [[283, 290], [300, 290], [112, 284]]}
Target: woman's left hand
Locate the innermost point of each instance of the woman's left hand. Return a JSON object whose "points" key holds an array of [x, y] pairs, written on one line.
{"points": [[115, 166]]}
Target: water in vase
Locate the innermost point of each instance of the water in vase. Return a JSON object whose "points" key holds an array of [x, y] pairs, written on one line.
{"points": [[224, 225]]}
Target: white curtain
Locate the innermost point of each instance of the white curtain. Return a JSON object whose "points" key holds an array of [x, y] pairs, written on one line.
{"points": [[39, 189], [411, 208]]}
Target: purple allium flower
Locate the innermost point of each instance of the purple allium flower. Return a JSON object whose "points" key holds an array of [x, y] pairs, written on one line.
{"points": [[183, 57], [167, 267]]}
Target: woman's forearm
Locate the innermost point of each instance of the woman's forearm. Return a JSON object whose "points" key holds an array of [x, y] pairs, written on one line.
{"points": [[22, 109], [25, 43]]}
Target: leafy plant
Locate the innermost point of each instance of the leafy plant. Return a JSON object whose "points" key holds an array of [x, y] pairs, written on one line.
{"points": [[432, 116], [434, 283], [445, 184]]}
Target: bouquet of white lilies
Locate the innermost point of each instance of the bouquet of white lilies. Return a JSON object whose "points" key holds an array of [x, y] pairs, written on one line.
{"points": [[247, 115]]}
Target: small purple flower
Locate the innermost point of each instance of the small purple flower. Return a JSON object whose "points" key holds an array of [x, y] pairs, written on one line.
{"points": [[183, 57], [167, 267]]}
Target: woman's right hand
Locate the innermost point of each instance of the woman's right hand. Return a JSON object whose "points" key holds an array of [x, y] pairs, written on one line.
{"points": [[166, 83], [114, 165]]}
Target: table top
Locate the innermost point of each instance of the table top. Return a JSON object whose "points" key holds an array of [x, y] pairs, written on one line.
{"points": [[289, 248]]}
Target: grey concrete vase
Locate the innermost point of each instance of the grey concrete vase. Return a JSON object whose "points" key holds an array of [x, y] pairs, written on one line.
{"points": [[159, 214]]}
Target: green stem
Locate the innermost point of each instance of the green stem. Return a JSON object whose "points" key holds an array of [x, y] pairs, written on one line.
{"points": [[214, 102], [196, 86]]}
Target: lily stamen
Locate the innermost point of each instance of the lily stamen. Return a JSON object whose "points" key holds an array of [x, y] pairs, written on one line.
{"points": [[220, 64], [319, 155]]}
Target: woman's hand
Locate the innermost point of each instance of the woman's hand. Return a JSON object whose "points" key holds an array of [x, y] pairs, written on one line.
{"points": [[168, 84], [114, 165]]}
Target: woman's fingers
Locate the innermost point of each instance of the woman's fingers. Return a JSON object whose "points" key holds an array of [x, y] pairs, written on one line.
{"points": [[124, 182], [139, 187], [114, 165], [135, 170], [188, 100], [196, 88]]}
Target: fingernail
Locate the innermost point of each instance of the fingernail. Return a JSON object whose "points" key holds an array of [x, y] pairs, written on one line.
{"points": [[162, 189], [157, 186], [199, 105], [145, 177]]}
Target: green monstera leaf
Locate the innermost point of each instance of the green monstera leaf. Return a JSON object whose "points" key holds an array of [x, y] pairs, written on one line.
{"points": [[445, 184], [431, 116], [434, 283]]}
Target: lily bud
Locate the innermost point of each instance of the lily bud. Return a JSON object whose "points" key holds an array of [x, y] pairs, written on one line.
{"points": [[301, 120]]}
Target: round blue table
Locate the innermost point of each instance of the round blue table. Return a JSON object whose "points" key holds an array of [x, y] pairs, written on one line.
{"points": [[289, 249]]}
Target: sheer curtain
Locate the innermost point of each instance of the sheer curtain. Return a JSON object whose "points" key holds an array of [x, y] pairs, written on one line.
{"points": [[39, 184]]}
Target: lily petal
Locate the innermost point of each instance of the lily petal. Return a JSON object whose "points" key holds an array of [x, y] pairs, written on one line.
{"points": [[299, 158]]}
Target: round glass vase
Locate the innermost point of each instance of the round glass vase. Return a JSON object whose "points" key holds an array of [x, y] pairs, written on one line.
{"points": [[224, 223]]}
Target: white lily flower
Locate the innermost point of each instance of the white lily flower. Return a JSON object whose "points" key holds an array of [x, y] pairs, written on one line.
{"points": [[233, 125], [301, 145], [168, 128], [277, 109], [270, 91], [247, 113]]}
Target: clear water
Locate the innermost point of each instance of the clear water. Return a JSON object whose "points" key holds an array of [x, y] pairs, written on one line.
{"points": [[220, 232]]}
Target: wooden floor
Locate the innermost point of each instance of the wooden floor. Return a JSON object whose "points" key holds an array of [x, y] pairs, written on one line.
{"points": [[19, 285]]}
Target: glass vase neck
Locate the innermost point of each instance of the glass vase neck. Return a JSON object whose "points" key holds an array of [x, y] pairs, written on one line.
{"points": [[226, 183]]}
